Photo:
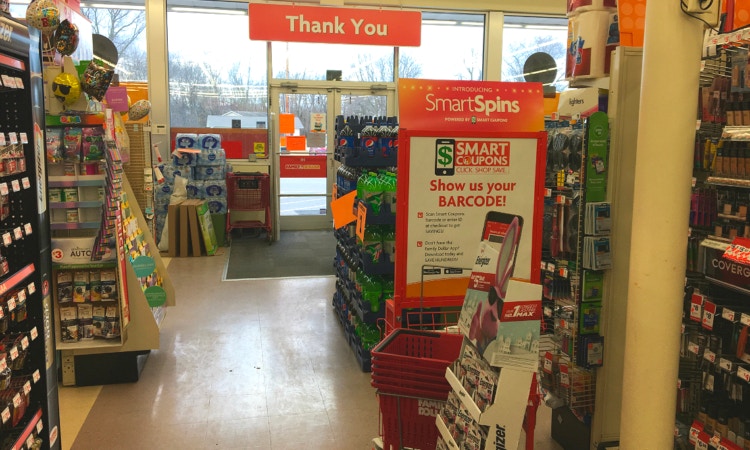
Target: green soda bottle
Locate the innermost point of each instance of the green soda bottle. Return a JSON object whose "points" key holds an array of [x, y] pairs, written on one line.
{"points": [[388, 288], [372, 246], [372, 291], [372, 192], [388, 182], [389, 242], [361, 182]]}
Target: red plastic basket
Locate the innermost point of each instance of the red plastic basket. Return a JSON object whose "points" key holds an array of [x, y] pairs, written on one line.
{"points": [[427, 385], [409, 374], [408, 421], [421, 349]]}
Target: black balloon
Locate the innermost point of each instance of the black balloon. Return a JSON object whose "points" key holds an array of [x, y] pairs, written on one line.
{"points": [[66, 38]]}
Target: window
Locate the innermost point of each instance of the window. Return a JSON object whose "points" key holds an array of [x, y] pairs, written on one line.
{"points": [[524, 36], [126, 28], [210, 77], [308, 61], [452, 48]]}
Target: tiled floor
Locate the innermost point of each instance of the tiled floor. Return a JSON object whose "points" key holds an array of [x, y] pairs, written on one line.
{"points": [[243, 364]]}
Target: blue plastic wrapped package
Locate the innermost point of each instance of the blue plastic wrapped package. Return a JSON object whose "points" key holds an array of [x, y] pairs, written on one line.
{"points": [[163, 190], [213, 157], [209, 141], [214, 188], [209, 172], [187, 140], [169, 171], [217, 205], [195, 189], [184, 159]]}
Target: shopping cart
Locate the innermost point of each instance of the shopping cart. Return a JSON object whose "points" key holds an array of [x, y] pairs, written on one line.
{"points": [[249, 192]]}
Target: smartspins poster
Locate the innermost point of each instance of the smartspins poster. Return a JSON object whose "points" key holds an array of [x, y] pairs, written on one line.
{"points": [[466, 148]]}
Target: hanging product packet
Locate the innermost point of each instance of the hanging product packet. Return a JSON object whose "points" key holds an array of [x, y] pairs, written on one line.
{"points": [[54, 145], [739, 251], [486, 387], [72, 141]]}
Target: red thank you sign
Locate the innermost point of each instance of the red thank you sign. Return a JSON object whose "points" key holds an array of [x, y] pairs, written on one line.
{"points": [[293, 23]]}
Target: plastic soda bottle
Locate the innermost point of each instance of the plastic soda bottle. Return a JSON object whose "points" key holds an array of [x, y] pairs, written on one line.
{"points": [[389, 242], [373, 244], [372, 192], [388, 183]]}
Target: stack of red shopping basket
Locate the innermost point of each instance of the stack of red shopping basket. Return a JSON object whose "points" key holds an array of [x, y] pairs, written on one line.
{"points": [[408, 370]]}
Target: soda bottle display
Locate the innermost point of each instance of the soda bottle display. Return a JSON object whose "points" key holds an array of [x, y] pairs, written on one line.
{"points": [[361, 182], [346, 136], [388, 288], [368, 334], [371, 290]]}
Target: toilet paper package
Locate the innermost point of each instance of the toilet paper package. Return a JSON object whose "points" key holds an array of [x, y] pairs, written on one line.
{"points": [[589, 52], [187, 140], [195, 189], [214, 188], [209, 141], [208, 172], [579, 6], [214, 157], [217, 205]]}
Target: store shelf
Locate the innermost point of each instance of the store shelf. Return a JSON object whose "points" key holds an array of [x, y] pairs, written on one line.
{"points": [[23, 439], [444, 433], [75, 226], [89, 345], [730, 182], [76, 181], [87, 204]]}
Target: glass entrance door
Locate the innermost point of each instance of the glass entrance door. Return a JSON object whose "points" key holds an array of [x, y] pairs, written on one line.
{"points": [[304, 145]]}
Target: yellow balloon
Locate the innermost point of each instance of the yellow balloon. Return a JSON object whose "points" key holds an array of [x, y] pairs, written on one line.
{"points": [[66, 88]]}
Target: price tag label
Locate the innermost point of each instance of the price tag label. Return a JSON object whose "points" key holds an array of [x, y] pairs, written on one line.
{"points": [[4, 188], [22, 295], [7, 239], [2, 139], [24, 343], [39, 426], [728, 314], [17, 400], [13, 353], [34, 333], [547, 367], [693, 348], [544, 265], [547, 192], [743, 374], [2, 314], [18, 233], [30, 441], [31, 288], [11, 304], [709, 356], [551, 267], [679, 383], [16, 185], [24, 138], [19, 83], [563, 272], [3, 364], [25, 182], [696, 307], [5, 415], [8, 81], [725, 364], [36, 376], [13, 138], [709, 314], [709, 383], [27, 387], [745, 319], [564, 376], [682, 328], [27, 229]]}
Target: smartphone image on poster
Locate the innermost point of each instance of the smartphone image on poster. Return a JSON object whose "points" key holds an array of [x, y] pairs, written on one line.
{"points": [[445, 157], [496, 226]]}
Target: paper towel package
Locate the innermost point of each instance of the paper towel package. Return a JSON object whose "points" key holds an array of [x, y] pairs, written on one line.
{"points": [[187, 140], [590, 44], [209, 141], [579, 6]]}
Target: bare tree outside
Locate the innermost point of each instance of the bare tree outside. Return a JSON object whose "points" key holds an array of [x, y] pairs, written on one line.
{"points": [[124, 27]]}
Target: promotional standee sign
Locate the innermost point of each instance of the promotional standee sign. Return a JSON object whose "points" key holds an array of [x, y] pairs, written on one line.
{"points": [[471, 168]]}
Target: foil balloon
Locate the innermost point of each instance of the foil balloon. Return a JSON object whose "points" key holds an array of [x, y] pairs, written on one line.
{"points": [[139, 110], [44, 15], [66, 38], [66, 88], [96, 79]]}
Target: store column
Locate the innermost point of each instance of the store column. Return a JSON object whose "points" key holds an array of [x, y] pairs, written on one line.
{"points": [[663, 170], [158, 79]]}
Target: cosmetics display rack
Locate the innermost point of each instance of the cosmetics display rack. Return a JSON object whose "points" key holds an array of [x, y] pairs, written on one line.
{"points": [[714, 376], [29, 413], [572, 280], [365, 247]]}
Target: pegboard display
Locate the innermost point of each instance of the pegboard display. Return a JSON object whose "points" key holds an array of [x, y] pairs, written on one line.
{"points": [[28, 376]]}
